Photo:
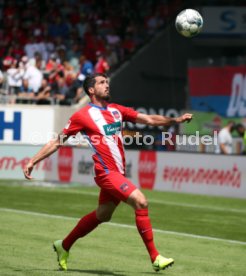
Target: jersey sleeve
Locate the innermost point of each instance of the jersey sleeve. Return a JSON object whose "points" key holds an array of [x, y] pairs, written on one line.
{"points": [[128, 114], [73, 126]]}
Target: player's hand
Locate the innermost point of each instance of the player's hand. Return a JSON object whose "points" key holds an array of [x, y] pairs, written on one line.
{"points": [[28, 170], [187, 117]]}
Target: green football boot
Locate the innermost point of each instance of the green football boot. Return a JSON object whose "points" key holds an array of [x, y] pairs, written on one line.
{"points": [[162, 263], [62, 254]]}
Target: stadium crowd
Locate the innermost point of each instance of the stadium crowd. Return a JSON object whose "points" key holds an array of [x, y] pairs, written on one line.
{"points": [[48, 47]]}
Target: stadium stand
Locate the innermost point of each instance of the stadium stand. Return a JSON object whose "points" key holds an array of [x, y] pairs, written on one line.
{"points": [[44, 51]]}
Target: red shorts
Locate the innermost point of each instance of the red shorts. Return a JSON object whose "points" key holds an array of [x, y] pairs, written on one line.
{"points": [[115, 187]]}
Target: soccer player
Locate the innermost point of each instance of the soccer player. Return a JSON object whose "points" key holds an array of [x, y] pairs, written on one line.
{"points": [[101, 122]]}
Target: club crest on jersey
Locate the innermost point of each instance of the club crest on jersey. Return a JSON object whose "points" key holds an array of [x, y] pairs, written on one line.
{"points": [[116, 114], [124, 187], [111, 129]]}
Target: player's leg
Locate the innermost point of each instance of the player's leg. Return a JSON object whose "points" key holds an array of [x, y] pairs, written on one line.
{"points": [[85, 225], [88, 223], [139, 202], [123, 189]]}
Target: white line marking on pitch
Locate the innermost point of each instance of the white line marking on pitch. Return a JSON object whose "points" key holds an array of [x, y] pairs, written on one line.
{"points": [[164, 202], [197, 206], [122, 225]]}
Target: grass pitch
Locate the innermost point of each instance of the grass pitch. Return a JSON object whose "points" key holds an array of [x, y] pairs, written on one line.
{"points": [[205, 235]]}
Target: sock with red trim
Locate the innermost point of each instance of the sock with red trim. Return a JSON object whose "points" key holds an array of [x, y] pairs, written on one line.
{"points": [[145, 230], [84, 226]]}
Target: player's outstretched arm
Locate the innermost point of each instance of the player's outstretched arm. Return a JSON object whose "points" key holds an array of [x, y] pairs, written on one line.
{"points": [[44, 152], [158, 120]]}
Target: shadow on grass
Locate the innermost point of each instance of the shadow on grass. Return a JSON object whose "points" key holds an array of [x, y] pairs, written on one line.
{"points": [[109, 273], [149, 273], [97, 272], [84, 271]]}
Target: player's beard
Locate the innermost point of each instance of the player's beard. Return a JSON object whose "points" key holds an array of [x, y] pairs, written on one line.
{"points": [[106, 97]]}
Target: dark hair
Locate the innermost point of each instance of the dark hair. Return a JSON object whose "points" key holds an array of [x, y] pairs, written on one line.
{"points": [[90, 81], [238, 126], [232, 125]]}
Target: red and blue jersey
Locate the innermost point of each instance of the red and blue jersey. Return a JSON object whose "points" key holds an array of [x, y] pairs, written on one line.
{"points": [[103, 129]]}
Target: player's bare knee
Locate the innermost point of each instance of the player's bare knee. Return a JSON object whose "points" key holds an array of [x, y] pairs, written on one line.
{"points": [[104, 216], [104, 212], [137, 200], [142, 203]]}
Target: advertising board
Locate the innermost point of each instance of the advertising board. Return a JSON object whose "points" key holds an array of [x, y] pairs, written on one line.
{"points": [[25, 125], [218, 89], [229, 21], [205, 174]]}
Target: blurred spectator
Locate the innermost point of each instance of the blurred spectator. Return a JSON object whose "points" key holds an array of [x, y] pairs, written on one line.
{"points": [[73, 55], [240, 128], [113, 38], [69, 73], [16, 50], [14, 78], [38, 28], [101, 65], [44, 93], [60, 87], [9, 12], [86, 67], [53, 67], [112, 56], [166, 140], [37, 58], [93, 43], [7, 62], [58, 28], [74, 94], [154, 22], [1, 79], [28, 14], [49, 47], [32, 80], [82, 26], [173, 131], [31, 47], [61, 53], [225, 139], [160, 144], [128, 44]]}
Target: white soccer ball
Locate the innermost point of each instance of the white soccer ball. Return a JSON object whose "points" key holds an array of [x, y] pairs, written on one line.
{"points": [[189, 23]]}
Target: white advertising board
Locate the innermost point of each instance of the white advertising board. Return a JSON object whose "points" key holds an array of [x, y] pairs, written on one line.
{"points": [[71, 164], [76, 165], [202, 174], [13, 159], [167, 171], [26, 125], [206, 174]]}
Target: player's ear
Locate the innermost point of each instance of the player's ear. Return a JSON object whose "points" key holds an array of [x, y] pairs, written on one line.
{"points": [[91, 91]]}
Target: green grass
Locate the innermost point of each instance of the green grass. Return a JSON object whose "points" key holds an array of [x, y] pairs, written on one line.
{"points": [[112, 249]]}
